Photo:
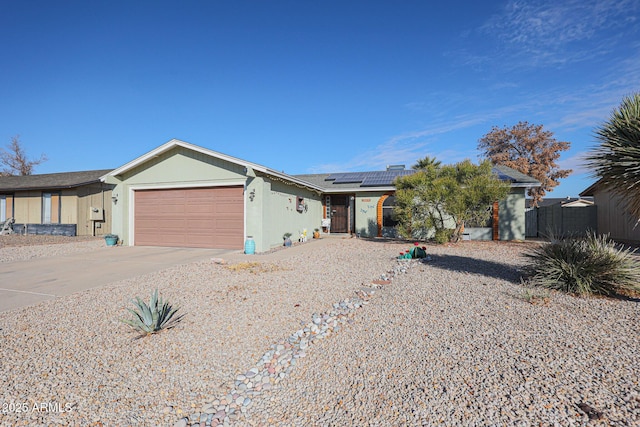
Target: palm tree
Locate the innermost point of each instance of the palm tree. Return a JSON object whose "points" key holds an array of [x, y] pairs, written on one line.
{"points": [[616, 161], [426, 162]]}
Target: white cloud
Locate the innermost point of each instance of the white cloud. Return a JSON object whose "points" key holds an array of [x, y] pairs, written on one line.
{"points": [[557, 33], [407, 148], [576, 163]]}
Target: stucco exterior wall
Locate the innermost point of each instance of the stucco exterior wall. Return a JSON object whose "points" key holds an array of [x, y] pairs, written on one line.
{"points": [[279, 213], [255, 198], [511, 215], [366, 210]]}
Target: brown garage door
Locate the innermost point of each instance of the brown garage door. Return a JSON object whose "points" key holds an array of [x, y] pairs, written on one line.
{"points": [[190, 217]]}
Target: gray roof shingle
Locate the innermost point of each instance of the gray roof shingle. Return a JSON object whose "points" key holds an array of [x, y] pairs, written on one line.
{"points": [[51, 181]]}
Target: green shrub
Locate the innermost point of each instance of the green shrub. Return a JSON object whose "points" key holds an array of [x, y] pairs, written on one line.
{"points": [[442, 235], [583, 265], [152, 318]]}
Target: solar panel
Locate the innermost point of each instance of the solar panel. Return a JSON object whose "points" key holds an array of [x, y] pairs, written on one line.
{"points": [[384, 178], [349, 178], [368, 179], [503, 176], [378, 178], [333, 176]]}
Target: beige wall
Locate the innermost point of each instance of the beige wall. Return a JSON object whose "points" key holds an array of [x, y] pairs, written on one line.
{"points": [[28, 206], [69, 206], [74, 207], [96, 196]]}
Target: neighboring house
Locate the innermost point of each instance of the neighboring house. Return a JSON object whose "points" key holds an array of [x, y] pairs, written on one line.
{"points": [[180, 194], [566, 202], [71, 203], [612, 218]]}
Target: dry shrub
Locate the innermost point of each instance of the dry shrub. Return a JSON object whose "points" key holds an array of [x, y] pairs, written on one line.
{"points": [[584, 265]]}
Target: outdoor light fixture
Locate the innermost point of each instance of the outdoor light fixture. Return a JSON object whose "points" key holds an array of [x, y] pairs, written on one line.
{"points": [[114, 197], [252, 194]]}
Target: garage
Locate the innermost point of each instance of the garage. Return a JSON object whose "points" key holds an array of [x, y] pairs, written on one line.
{"points": [[211, 217]]}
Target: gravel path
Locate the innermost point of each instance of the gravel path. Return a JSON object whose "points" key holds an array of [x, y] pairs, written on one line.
{"points": [[451, 341]]}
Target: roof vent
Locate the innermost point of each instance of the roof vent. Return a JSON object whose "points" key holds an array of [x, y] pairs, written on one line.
{"points": [[395, 167]]}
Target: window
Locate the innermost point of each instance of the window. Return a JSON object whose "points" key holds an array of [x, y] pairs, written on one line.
{"points": [[51, 208], [481, 220], [3, 208], [328, 207], [387, 212], [6, 207]]}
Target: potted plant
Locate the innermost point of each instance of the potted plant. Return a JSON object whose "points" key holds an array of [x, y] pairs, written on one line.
{"points": [[111, 239], [287, 239], [316, 233]]}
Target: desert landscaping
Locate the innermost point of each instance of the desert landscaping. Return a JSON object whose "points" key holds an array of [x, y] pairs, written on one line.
{"points": [[342, 333]]}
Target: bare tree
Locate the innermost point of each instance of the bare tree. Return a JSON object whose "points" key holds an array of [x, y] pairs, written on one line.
{"points": [[15, 161], [529, 149]]}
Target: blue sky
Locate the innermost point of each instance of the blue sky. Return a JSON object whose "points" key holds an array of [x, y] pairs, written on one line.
{"points": [[310, 86]]}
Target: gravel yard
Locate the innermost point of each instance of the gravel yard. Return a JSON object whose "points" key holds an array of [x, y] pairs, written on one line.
{"points": [[18, 247], [451, 341]]}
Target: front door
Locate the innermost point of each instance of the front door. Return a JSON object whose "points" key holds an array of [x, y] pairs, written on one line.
{"points": [[339, 214]]}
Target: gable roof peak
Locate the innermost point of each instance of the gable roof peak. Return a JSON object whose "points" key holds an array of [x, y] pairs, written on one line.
{"points": [[169, 145]]}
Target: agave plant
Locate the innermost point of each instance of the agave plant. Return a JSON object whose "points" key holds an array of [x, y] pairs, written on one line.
{"points": [[584, 265], [152, 318]]}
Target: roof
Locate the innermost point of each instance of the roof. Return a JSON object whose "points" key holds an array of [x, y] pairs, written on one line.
{"points": [[517, 179], [590, 191], [51, 181], [383, 180], [566, 202], [349, 181], [249, 166]]}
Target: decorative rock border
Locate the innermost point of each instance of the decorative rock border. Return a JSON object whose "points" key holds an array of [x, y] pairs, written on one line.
{"points": [[281, 358]]}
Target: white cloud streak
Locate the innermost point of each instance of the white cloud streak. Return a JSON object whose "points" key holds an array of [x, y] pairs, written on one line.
{"points": [[407, 148], [576, 163], [552, 33]]}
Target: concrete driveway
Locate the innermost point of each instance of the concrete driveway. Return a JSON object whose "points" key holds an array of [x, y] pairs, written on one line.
{"points": [[24, 283]]}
